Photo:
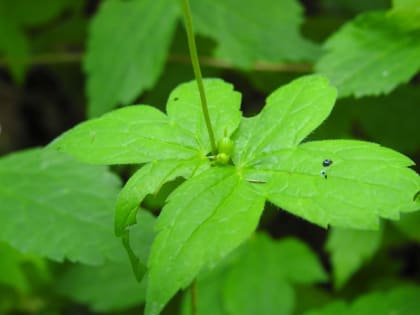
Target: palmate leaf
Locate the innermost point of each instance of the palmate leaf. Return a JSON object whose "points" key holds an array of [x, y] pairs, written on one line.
{"points": [[381, 51], [55, 207], [364, 182], [205, 218], [139, 134]]}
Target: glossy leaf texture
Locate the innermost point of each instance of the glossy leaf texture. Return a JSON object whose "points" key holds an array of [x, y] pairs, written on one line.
{"points": [[63, 208], [123, 59], [224, 102], [258, 277], [291, 113], [349, 249], [139, 134], [365, 182], [134, 134], [205, 218], [381, 51], [244, 29], [400, 300]]}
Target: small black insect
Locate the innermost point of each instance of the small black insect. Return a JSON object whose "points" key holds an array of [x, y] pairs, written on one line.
{"points": [[327, 162], [323, 173]]}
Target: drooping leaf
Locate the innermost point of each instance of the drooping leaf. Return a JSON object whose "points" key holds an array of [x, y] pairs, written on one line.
{"points": [[250, 31], [380, 51], [349, 249], [291, 113], [184, 107], [205, 218], [365, 182], [260, 281], [148, 180], [400, 300], [58, 208], [126, 50], [134, 134]]}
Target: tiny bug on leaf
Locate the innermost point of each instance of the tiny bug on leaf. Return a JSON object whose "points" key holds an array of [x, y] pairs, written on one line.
{"points": [[327, 162], [323, 173]]}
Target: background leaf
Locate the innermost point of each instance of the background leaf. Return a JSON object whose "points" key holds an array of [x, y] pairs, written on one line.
{"points": [[260, 281], [55, 207], [349, 249], [200, 211], [400, 300], [380, 53], [250, 31], [123, 59], [106, 288]]}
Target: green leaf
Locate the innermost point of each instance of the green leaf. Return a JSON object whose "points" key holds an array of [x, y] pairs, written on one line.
{"points": [[409, 224], [390, 120], [64, 207], [184, 107], [107, 288], [333, 308], [365, 182], [257, 278], [134, 134], [126, 50], [349, 249], [148, 180], [111, 287], [380, 52], [260, 281], [291, 113], [195, 230], [14, 46], [11, 273], [250, 31], [401, 300]]}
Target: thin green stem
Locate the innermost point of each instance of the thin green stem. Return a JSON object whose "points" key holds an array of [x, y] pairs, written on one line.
{"points": [[197, 72]]}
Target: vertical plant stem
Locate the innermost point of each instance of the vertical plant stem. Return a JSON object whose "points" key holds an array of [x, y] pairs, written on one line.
{"points": [[197, 72], [194, 297]]}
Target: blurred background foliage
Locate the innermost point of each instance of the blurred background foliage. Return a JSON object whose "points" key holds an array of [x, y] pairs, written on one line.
{"points": [[64, 61]]}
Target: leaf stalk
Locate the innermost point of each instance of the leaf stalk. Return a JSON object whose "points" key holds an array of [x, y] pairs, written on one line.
{"points": [[197, 72]]}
